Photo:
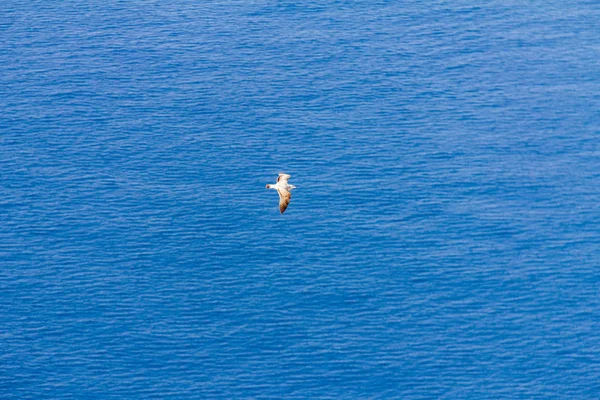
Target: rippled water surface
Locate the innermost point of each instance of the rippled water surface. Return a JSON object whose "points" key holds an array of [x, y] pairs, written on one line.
{"points": [[443, 241]]}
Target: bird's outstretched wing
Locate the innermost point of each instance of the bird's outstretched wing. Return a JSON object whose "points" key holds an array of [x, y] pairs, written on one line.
{"points": [[284, 199], [283, 177]]}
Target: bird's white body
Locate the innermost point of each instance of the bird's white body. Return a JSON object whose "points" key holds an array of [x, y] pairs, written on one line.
{"points": [[281, 186], [284, 190]]}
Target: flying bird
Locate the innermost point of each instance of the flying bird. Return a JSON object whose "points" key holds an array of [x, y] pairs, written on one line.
{"points": [[284, 189]]}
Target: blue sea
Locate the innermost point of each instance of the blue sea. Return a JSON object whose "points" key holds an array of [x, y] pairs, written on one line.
{"points": [[443, 241]]}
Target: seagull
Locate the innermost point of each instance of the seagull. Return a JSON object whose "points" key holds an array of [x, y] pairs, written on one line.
{"points": [[284, 189]]}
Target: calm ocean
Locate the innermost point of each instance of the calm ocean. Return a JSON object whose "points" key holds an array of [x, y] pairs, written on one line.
{"points": [[443, 242]]}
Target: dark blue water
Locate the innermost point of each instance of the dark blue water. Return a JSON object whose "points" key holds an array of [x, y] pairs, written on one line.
{"points": [[443, 242]]}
